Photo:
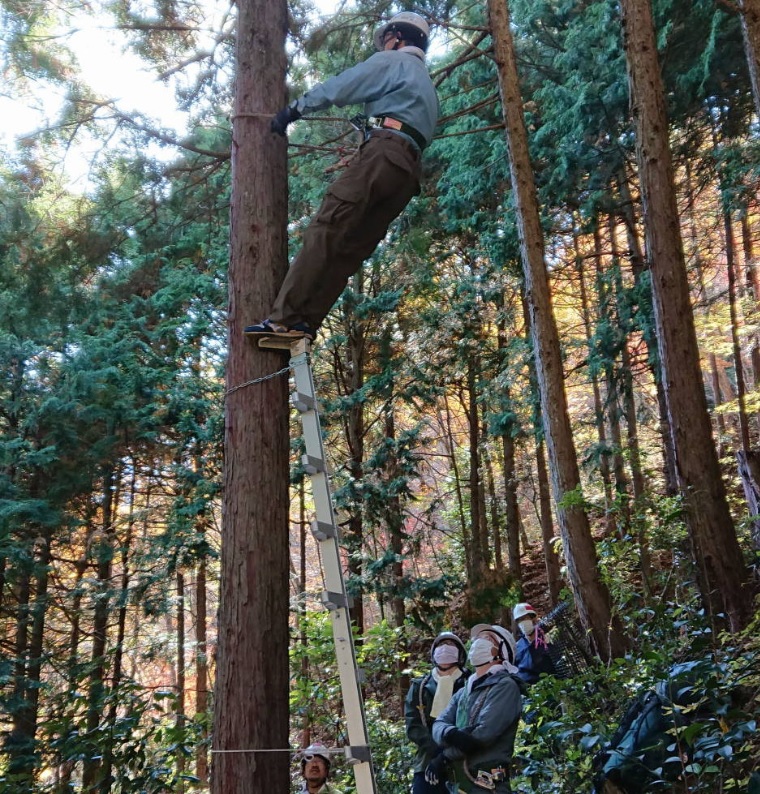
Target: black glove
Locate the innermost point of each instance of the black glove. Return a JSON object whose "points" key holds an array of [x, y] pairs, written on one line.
{"points": [[435, 771], [283, 118], [463, 740]]}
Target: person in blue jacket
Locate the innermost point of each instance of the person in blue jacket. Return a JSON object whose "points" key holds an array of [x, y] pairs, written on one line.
{"points": [[477, 730], [427, 698], [533, 654], [401, 106]]}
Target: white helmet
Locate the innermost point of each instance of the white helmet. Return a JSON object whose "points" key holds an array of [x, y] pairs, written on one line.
{"points": [[450, 637], [502, 638], [410, 26], [315, 749], [521, 610]]}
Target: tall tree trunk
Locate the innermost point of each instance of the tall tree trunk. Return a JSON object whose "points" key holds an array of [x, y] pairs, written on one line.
{"points": [[508, 430], [493, 506], [28, 676], [750, 20], [591, 594], [741, 389], [479, 543], [179, 721], [639, 267], [551, 559], [720, 422], [601, 429], [467, 535], [721, 572], [355, 432], [621, 508], [752, 290], [19, 744], [254, 595], [201, 673], [629, 406], [93, 767]]}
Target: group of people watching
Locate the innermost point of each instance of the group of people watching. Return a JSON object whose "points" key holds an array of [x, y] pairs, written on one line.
{"points": [[462, 716]]}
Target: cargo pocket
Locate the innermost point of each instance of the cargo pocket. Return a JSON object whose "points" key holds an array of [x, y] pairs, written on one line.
{"points": [[408, 165], [341, 198]]}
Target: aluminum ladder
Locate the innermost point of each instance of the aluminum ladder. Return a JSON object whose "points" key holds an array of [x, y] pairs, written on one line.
{"points": [[326, 533]]}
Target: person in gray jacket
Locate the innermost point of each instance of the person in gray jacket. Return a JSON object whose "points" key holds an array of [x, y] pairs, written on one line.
{"points": [[401, 107], [478, 728], [427, 698]]}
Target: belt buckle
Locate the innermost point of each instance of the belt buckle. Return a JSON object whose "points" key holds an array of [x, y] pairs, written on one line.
{"points": [[485, 780]]}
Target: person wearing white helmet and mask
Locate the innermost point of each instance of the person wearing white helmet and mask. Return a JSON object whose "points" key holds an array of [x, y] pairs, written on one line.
{"points": [[401, 108], [477, 731], [315, 768], [427, 698], [533, 656]]}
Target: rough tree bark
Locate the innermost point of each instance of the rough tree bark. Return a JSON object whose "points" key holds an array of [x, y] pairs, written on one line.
{"points": [[591, 594], [750, 19], [720, 568], [251, 697]]}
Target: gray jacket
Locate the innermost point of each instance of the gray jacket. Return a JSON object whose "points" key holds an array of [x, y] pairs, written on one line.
{"points": [[394, 83], [490, 710]]}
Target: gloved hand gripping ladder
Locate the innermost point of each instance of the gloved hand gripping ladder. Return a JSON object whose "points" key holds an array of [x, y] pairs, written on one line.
{"points": [[325, 531]]}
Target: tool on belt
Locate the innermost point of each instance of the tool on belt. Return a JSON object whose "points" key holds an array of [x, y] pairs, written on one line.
{"points": [[365, 124], [487, 778]]}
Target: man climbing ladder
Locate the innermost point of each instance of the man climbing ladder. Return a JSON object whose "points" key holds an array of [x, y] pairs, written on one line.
{"points": [[400, 114]]}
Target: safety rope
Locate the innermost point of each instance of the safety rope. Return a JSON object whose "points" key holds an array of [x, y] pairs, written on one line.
{"points": [[258, 380], [290, 750]]}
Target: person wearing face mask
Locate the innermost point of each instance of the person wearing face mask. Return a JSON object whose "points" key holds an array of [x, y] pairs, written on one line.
{"points": [[533, 649], [427, 698], [477, 730]]}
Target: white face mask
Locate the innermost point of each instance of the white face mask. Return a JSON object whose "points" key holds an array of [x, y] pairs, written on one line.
{"points": [[481, 652], [527, 627]]}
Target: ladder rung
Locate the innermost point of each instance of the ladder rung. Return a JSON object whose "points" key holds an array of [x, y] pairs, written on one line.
{"points": [[336, 600], [358, 754], [321, 530], [302, 402], [313, 465]]}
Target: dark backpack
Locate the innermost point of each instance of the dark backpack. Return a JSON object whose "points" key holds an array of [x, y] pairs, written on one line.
{"points": [[638, 753]]}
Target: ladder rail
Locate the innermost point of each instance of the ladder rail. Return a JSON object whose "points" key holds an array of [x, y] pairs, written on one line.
{"points": [[336, 600]]}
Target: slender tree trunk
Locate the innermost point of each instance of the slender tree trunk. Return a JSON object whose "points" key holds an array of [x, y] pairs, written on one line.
{"points": [[19, 744], [551, 559], [508, 432], [750, 20], [718, 401], [179, 722], [639, 267], [480, 544], [721, 572], [201, 673], [591, 595], [93, 767], [251, 698], [741, 389], [621, 508], [467, 536], [493, 506], [601, 429], [752, 291], [355, 432], [629, 406], [28, 677]]}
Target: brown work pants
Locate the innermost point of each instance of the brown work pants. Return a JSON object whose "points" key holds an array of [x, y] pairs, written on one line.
{"points": [[351, 221]]}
